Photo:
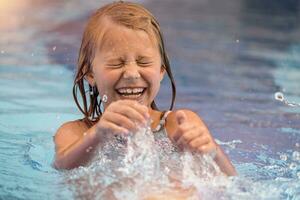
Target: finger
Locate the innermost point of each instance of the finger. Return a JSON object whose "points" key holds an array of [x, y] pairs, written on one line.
{"points": [[186, 127], [182, 129], [129, 112], [207, 148], [119, 120], [198, 142], [113, 128], [181, 117], [143, 110], [187, 137], [176, 135]]}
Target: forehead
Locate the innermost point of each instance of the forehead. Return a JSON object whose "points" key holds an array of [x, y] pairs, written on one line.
{"points": [[117, 37]]}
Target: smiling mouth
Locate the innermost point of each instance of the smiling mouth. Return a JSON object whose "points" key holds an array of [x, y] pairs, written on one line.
{"points": [[131, 93]]}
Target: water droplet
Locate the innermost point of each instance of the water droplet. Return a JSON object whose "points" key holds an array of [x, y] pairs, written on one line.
{"points": [[297, 144], [237, 41], [32, 54], [296, 155], [2, 51], [89, 149], [54, 48], [298, 174], [279, 96], [57, 116], [167, 170], [104, 98], [293, 166], [283, 157]]}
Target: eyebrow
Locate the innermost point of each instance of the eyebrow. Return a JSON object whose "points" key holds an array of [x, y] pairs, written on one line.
{"points": [[143, 57], [111, 58]]}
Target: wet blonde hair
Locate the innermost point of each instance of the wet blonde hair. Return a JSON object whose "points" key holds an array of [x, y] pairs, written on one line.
{"points": [[130, 15]]}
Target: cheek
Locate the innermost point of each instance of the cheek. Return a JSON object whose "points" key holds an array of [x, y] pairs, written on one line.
{"points": [[157, 76], [105, 81], [154, 78]]}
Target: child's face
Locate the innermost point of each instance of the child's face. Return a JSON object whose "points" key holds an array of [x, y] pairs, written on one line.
{"points": [[127, 66]]}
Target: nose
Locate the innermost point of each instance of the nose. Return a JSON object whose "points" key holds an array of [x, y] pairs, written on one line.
{"points": [[131, 71]]}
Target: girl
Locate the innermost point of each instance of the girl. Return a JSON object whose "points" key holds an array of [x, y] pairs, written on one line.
{"points": [[123, 59]]}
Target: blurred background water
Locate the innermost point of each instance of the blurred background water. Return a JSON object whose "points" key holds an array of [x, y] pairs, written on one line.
{"points": [[228, 59]]}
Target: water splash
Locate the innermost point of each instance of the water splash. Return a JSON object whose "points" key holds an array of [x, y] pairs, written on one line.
{"points": [[27, 160], [231, 144], [280, 97], [132, 166], [144, 165]]}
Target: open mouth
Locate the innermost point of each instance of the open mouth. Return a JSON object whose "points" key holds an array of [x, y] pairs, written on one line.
{"points": [[131, 93]]}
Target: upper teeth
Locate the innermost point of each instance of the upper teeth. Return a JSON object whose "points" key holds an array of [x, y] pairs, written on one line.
{"points": [[130, 90]]}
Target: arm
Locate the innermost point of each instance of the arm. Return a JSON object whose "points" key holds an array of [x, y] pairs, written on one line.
{"points": [[187, 130], [224, 163], [75, 143]]}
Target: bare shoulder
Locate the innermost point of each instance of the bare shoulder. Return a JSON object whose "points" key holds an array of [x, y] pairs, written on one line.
{"points": [[76, 127], [69, 132]]}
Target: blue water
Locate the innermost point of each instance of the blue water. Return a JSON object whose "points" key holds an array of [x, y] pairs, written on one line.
{"points": [[228, 60]]}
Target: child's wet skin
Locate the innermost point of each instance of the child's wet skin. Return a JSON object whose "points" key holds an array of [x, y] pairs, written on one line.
{"points": [[129, 64]]}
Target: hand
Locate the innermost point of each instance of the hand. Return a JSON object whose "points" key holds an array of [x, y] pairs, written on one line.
{"points": [[122, 116], [192, 133]]}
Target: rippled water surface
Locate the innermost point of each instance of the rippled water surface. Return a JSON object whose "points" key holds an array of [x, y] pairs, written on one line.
{"points": [[228, 58]]}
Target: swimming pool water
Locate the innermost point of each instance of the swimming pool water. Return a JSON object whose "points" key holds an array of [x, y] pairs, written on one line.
{"points": [[228, 62]]}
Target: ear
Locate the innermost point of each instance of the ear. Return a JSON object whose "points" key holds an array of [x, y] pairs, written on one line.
{"points": [[90, 79], [162, 72]]}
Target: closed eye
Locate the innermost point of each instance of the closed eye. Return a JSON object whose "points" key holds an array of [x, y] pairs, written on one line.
{"points": [[115, 65], [144, 64]]}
